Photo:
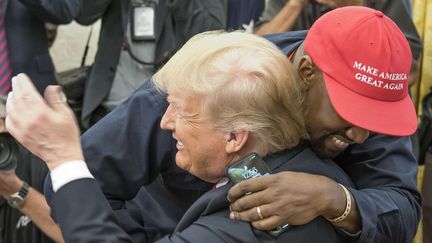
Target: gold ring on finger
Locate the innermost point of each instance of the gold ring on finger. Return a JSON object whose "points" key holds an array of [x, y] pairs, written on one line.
{"points": [[258, 209]]}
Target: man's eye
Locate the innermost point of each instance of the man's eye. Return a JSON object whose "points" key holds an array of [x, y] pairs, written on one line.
{"points": [[176, 111]]}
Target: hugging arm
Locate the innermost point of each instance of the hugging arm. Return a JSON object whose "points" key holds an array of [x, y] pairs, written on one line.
{"points": [[384, 172], [127, 149]]}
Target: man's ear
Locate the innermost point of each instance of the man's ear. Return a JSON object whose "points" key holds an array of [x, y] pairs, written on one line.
{"points": [[235, 141], [307, 72]]}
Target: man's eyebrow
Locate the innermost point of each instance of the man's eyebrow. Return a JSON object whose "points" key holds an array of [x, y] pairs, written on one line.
{"points": [[173, 103]]}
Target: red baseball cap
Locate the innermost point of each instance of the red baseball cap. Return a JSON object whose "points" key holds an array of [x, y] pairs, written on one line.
{"points": [[365, 60]]}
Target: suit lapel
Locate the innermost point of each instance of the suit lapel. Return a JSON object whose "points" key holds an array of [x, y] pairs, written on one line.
{"points": [[161, 13], [211, 202], [215, 200], [125, 8]]}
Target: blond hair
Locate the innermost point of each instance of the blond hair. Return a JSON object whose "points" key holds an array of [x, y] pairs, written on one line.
{"points": [[246, 82]]}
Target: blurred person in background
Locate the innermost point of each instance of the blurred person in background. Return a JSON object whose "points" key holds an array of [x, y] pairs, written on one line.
{"points": [[23, 38]]}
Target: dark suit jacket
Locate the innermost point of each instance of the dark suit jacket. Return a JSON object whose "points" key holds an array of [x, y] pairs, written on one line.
{"points": [[27, 39], [85, 216], [176, 21]]}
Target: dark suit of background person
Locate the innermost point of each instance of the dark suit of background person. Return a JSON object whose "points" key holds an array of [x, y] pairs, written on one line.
{"points": [[205, 221], [127, 153], [175, 22], [27, 38]]}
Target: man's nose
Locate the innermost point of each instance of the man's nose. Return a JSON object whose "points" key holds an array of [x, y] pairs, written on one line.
{"points": [[168, 121], [357, 134]]}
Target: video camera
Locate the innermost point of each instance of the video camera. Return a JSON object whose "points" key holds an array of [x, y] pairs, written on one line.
{"points": [[8, 146], [8, 152]]}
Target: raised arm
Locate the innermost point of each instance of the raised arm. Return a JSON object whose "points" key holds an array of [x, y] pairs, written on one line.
{"points": [[275, 20], [281, 16], [129, 145]]}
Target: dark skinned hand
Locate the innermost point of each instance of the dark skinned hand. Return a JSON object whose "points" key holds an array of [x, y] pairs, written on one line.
{"points": [[285, 198]]}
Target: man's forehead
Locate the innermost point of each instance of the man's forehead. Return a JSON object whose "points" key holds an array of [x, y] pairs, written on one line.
{"points": [[187, 104]]}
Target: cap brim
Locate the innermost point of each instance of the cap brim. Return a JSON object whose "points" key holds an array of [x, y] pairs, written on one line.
{"points": [[397, 118]]}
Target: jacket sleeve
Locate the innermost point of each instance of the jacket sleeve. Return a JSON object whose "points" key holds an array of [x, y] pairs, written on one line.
{"points": [[218, 227], [84, 215], [384, 171], [54, 11], [92, 10], [127, 149]]}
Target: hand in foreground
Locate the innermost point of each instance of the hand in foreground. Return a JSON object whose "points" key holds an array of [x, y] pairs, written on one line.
{"points": [[340, 3], [284, 198], [45, 127]]}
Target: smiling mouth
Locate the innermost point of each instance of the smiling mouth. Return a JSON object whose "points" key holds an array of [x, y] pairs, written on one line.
{"points": [[179, 145], [340, 142]]}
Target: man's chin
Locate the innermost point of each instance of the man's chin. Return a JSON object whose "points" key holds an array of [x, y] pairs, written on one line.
{"points": [[181, 162], [330, 154], [325, 153]]}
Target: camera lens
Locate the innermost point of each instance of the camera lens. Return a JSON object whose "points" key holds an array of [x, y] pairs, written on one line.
{"points": [[8, 152]]}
